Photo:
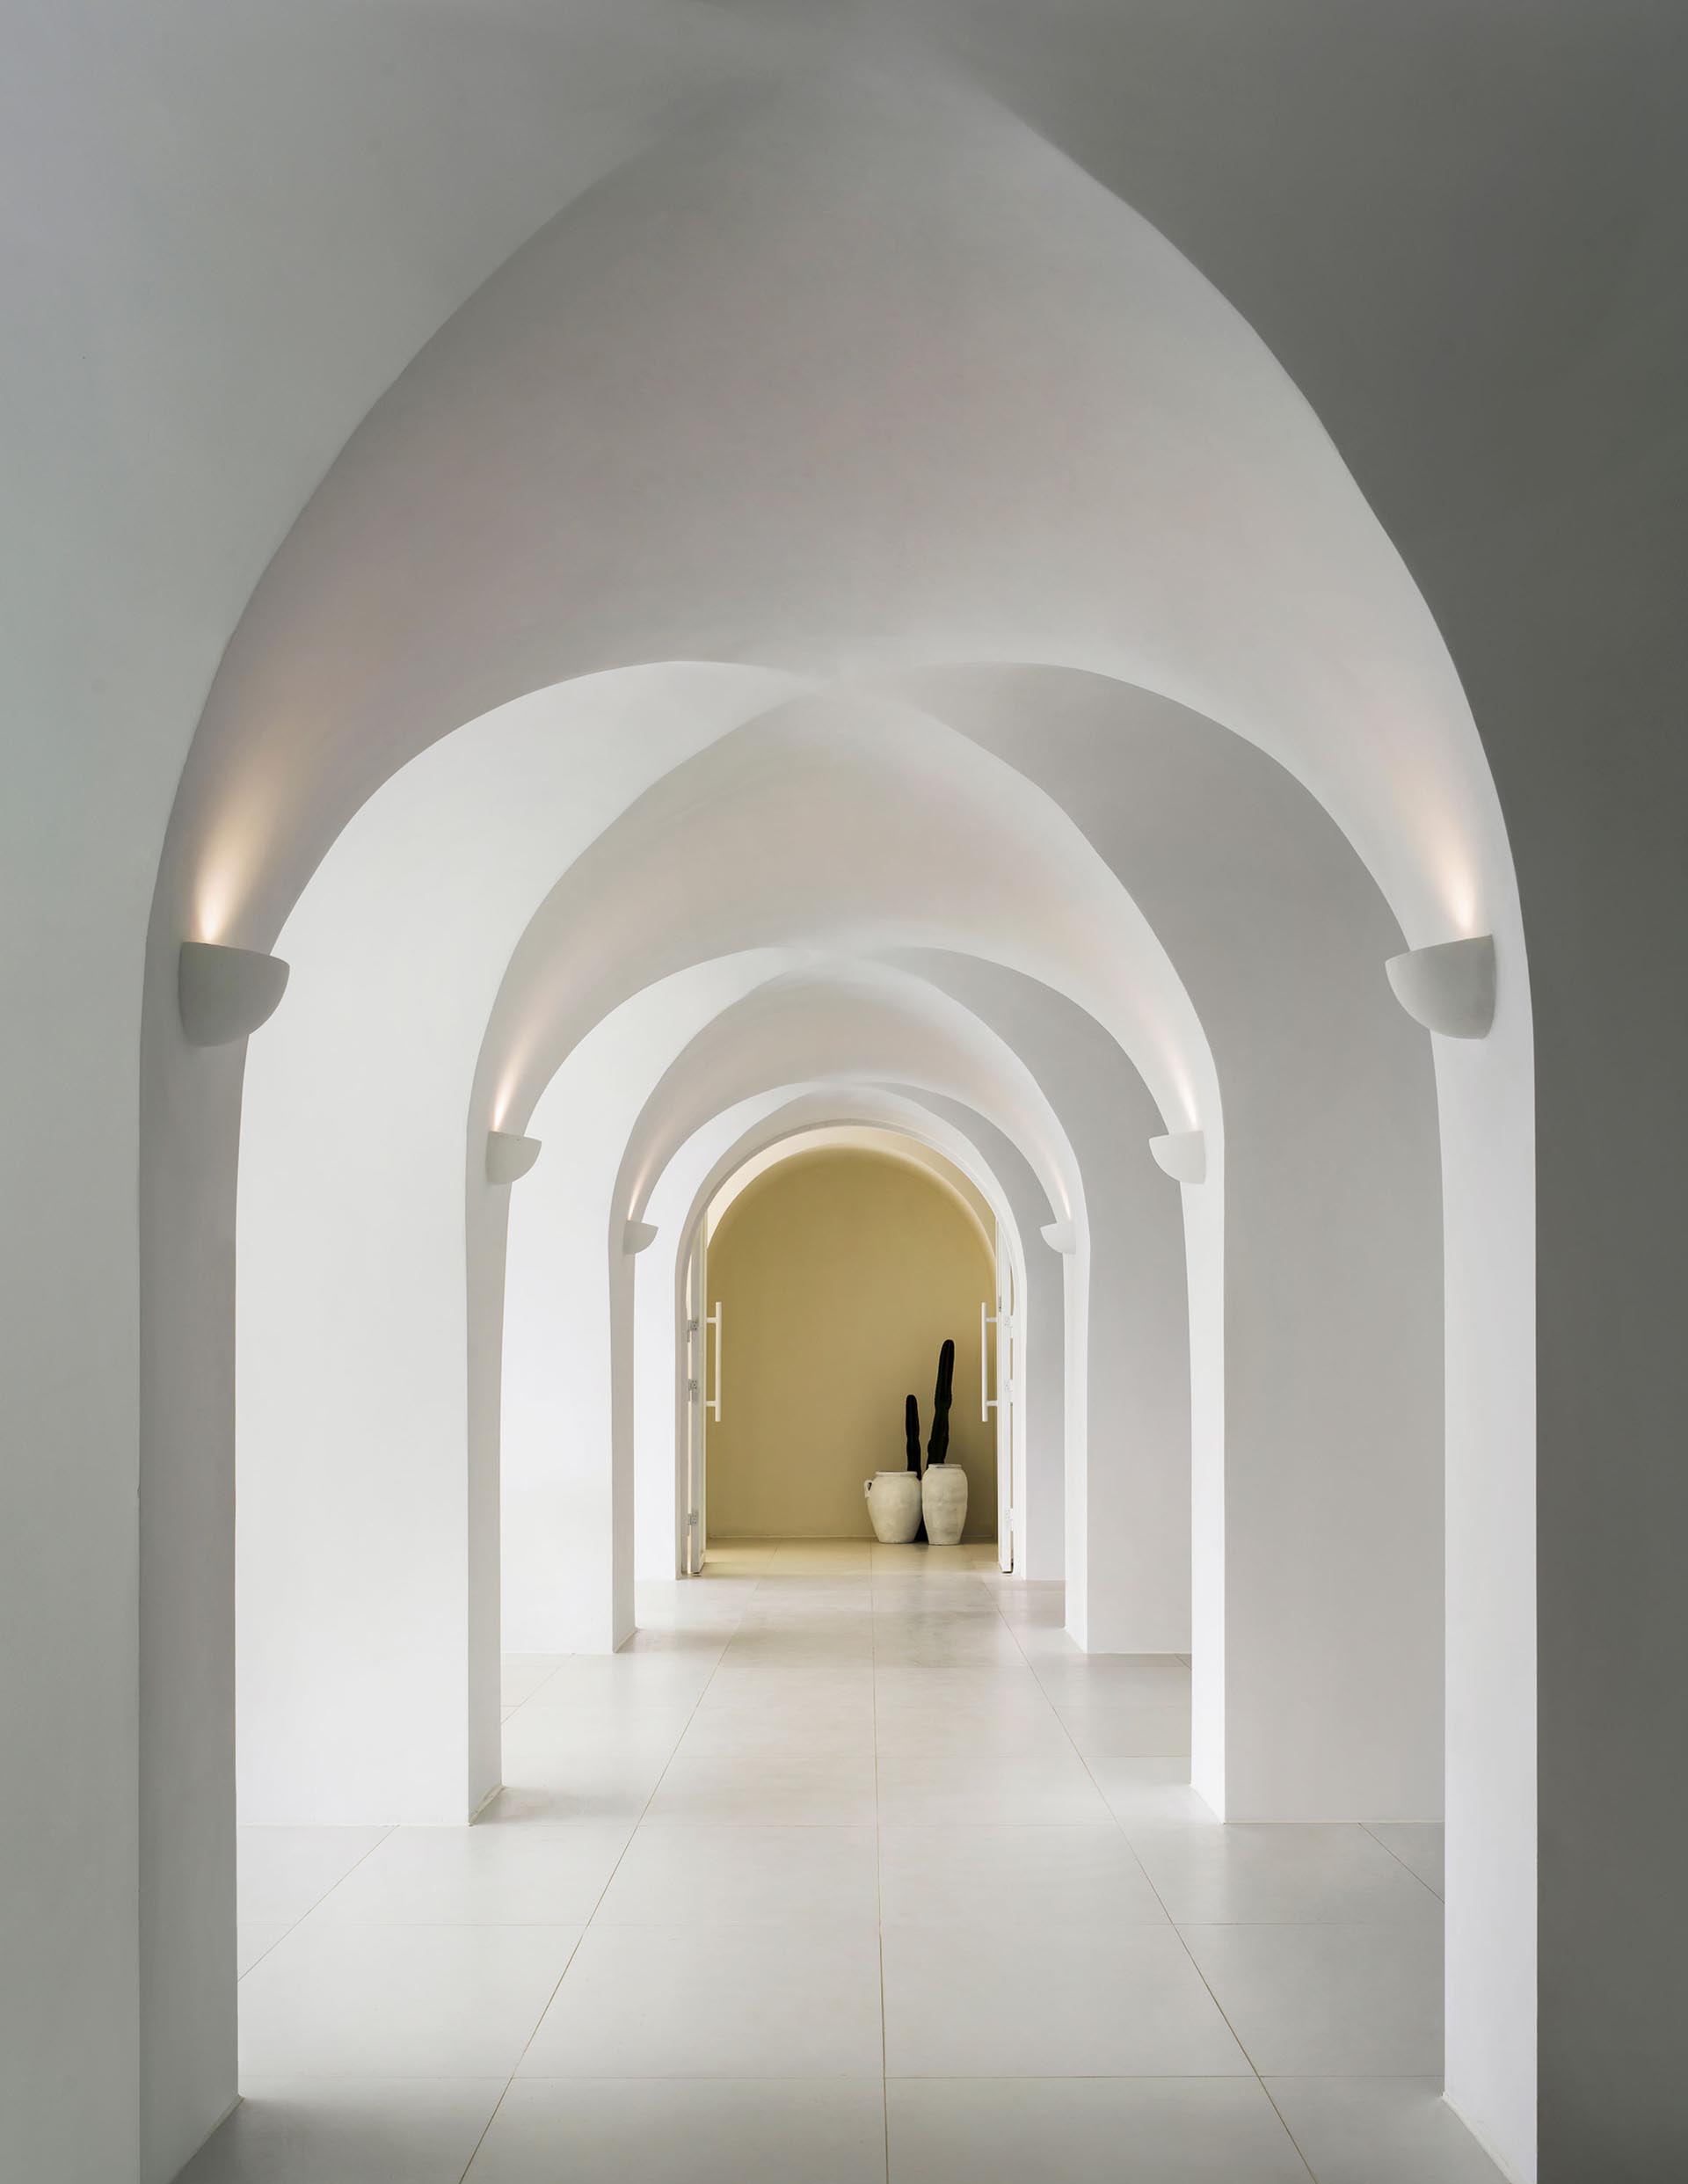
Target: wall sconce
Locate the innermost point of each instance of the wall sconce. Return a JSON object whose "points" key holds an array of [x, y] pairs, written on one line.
{"points": [[637, 1236], [222, 994], [1183, 1154], [509, 1157], [1449, 988], [1062, 1236]]}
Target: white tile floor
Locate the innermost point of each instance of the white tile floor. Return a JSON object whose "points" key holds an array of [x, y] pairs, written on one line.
{"points": [[849, 1869]]}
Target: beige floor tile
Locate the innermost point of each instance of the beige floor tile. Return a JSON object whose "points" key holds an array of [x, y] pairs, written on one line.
{"points": [[715, 2002], [1087, 2130], [1320, 2001], [1381, 2130], [1114, 2001], [754, 2130]]}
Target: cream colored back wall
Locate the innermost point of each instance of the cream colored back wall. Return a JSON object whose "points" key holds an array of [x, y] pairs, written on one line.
{"points": [[842, 1272]]}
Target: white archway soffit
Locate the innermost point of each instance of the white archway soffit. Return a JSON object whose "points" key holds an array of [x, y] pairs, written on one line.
{"points": [[993, 1165], [878, 1140], [1208, 820], [632, 1089], [729, 1149], [840, 826], [863, 1023], [1208, 544], [1239, 863]]}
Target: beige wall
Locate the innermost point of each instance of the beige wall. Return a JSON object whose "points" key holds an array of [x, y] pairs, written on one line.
{"points": [[842, 1272]]}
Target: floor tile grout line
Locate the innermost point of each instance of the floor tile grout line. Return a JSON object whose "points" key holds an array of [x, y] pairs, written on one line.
{"points": [[315, 1903], [1285, 2120], [474, 2151], [544, 2012], [551, 1673], [259, 1959], [1368, 1829]]}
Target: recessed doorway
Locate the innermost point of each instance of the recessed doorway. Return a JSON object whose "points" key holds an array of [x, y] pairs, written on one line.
{"points": [[840, 1272]]}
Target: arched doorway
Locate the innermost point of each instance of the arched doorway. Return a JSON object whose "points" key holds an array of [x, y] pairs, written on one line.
{"points": [[842, 1272]]}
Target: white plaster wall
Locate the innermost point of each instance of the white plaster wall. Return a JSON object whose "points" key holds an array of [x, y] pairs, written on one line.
{"points": [[368, 1663], [568, 1565], [1040, 1424], [1128, 1494], [1488, 1164], [1332, 1378], [661, 1357]]}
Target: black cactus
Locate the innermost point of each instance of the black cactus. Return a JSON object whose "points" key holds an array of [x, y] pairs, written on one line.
{"points": [[912, 1431], [938, 1447]]}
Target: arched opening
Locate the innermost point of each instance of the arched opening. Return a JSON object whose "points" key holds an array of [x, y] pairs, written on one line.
{"points": [[842, 1272], [990, 1173], [1067, 971]]}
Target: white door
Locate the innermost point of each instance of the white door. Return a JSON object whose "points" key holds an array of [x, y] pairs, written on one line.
{"points": [[702, 1405], [692, 1481], [1007, 1365]]}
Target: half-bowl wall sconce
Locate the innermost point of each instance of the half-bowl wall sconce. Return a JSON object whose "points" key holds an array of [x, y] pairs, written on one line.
{"points": [[223, 993], [1062, 1236], [509, 1157], [637, 1236], [1449, 988], [1183, 1154]]}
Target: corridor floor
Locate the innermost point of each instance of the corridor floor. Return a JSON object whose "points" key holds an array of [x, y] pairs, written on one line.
{"points": [[849, 1868]]}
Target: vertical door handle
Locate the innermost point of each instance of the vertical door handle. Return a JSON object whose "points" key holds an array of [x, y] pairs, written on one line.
{"points": [[713, 1403], [1003, 1322]]}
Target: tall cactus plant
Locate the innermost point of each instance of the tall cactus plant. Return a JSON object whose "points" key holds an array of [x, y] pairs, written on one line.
{"points": [[912, 1433], [938, 1447]]}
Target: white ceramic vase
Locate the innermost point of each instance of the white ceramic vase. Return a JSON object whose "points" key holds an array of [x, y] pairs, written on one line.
{"points": [[943, 1494], [894, 1505]]}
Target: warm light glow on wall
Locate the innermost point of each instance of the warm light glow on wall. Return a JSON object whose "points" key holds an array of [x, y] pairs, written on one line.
{"points": [[1462, 904], [502, 1097], [213, 909], [1185, 1091], [1454, 869], [238, 851]]}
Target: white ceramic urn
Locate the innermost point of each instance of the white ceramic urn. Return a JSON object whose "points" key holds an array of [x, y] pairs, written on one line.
{"points": [[943, 1494], [894, 1505]]}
